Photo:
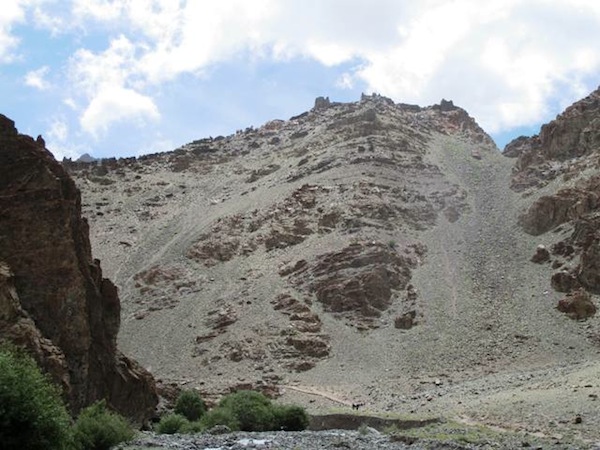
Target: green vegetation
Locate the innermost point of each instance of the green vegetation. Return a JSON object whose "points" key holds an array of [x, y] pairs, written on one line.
{"points": [[32, 414], [172, 423], [192, 427], [97, 428], [243, 410], [290, 418], [220, 416], [253, 410], [190, 405]]}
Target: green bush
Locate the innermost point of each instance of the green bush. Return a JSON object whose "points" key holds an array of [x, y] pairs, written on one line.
{"points": [[97, 428], [171, 424], [252, 409], [219, 416], [289, 418], [192, 427], [190, 405], [32, 413]]}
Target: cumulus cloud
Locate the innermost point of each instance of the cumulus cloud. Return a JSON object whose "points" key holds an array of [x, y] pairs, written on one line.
{"points": [[506, 79], [37, 78], [506, 61], [114, 104], [11, 13]]}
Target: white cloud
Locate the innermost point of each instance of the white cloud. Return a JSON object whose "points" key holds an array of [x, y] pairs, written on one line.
{"points": [[58, 131], [505, 61], [116, 104], [11, 13], [345, 81], [37, 78], [58, 140]]}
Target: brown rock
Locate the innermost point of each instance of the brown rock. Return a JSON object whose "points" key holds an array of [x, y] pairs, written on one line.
{"points": [[541, 255], [18, 327], [288, 236], [301, 366], [564, 281], [315, 346], [222, 318], [589, 272], [299, 266], [548, 212], [213, 251], [45, 242], [405, 321], [329, 221], [360, 279], [516, 147], [563, 249], [577, 305]]}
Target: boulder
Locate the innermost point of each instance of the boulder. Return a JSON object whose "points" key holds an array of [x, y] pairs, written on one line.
{"points": [[589, 271], [564, 281], [541, 255], [577, 305]]}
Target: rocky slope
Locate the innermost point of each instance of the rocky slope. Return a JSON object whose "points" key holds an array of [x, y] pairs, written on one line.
{"points": [[53, 297], [367, 252]]}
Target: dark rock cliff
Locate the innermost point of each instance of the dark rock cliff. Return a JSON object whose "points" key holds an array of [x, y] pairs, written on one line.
{"points": [[54, 299]]}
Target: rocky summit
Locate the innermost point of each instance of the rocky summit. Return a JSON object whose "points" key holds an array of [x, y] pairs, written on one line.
{"points": [[370, 254]]}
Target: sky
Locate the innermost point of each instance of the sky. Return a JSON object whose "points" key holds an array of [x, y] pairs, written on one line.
{"points": [[130, 77]]}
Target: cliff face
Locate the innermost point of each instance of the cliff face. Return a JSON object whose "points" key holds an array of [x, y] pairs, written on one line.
{"points": [[58, 294], [559, 169]]}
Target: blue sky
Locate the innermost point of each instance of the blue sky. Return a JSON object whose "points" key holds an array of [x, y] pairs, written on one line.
{"points": [[127, 77]]}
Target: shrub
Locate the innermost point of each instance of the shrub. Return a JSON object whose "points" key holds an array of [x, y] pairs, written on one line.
{"points": [[97, 428], [190, 405], [192, 427], [252, 409], [219, 416], [171, 424], [290, 418], [32, 413]]}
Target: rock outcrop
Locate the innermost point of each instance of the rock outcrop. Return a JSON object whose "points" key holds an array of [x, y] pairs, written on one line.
{"points": [[57, 303], [565, 205], [561, 148]]}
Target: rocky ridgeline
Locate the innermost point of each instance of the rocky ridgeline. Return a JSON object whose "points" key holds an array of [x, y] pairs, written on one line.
{"points": [[565, 147], [565, 157], [53, 297]]}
